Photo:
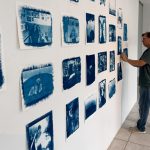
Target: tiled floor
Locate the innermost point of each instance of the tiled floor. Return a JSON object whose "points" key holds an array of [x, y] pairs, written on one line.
{"points": [[126, 140]]}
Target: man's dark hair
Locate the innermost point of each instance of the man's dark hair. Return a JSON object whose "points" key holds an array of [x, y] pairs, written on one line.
{"points": [[147, 34]]}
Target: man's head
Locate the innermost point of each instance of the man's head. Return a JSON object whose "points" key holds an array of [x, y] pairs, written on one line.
{"points": [[146, 39]]}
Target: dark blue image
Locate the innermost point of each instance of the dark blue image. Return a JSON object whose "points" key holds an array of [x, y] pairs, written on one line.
{"points": [[102, 61], [90, 69], [125, 50], [125, 32], [71, 72], [90, 28], [72, 117], [102, 29], [102, 93], [36, 27], [112, 61], [75, 0], [90, 106], [40, 133], [119, 71], [112, 33], [37, 83], [112, 7], [112, 87], [119, 45], [71, 30], [103, 2]]}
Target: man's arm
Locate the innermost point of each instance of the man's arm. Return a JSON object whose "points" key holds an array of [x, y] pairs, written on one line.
{"points": [[135, 63]]}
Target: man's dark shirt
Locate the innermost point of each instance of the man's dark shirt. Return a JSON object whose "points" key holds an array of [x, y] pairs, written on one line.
{"points": [[144, 72]]}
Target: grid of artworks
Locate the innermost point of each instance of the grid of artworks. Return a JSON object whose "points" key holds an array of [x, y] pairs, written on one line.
{"points": [[37, 80]]}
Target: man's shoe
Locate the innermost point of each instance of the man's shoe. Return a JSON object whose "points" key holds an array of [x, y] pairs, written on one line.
{"points": [[135, 129]]}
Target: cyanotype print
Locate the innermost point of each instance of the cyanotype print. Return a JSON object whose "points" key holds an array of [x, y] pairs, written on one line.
{"points": [[37, 83], [90, 28], [102, 29], [112, 61], [1, 69], [90, 69], [112, 88], [103, 2], [119, 45], [35, 27], [102, 61], [119, 71], [90, 105], [71, 72], [125, 32], [119, 18], [112, 33], [40, 133], [112, 7], [70, 30], [125, 50], [102, 93], [72, 117], [74, 0]]}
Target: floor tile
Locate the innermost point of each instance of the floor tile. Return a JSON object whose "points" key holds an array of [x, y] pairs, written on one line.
{"points": [[133, 146]]}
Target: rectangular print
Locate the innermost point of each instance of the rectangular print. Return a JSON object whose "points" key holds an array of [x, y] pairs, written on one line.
{"points": [[119, 71], [72, 117], [90, 69], [70, 30], [71, 72], [90, 28], [112, 88], [119, 45], [102, 61], [125, 50], [40, 133], [1, 67], [37, 83], [119, 18], [34, 27], [74, 0], [112, 7], [112, 61], [90, 106], [102, 29], [112, 33], [125, 32], [102, 2], [102, 93]]}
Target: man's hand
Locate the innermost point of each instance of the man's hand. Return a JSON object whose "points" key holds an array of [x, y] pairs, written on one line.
{"points": [[124, 57]]}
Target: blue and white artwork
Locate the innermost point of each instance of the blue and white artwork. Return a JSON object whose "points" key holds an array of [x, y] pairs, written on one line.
{"points": [[125, 32], [119, 71], [112, 88], [90, 69], [119, 45], [90, 28], [102, 2], [72, 117], [112, 33], [34, 27], [70, 30], [90, 106], [112, 7], [71, 72], [102, 61], [102, 93], [40, 133], [74, 0], [102, 29], [125, 50], [112, 61], [119, 18], [1, 68], [37, 83]]}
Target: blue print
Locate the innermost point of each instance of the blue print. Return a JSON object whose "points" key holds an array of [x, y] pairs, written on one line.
{"points": [[112, 33], [112, 61], [112, 7], [103, 2], [125, 50], [72, 117], [40, 133], [119, 71], [37, 84], [102, 93], [102, 61], [112, 88], [36, 27], [125, 32], [71, 72], [71, 30], [102, 29], [119, 45]]}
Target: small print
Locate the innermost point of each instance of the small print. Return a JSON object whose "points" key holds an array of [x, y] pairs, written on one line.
{"points": [[112, 88], [102, 93], [112, 61], [119, 45], [102, 61], [119, 71], [112, 33]]}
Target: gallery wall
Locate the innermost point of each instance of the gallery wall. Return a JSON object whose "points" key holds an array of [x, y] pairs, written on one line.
{"points": [[94, 132]]}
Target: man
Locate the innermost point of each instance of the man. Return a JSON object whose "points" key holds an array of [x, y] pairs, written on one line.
{"points": [[144, 81]]}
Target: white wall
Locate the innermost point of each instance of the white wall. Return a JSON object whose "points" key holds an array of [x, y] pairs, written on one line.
{"points": [[97, 132]]}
